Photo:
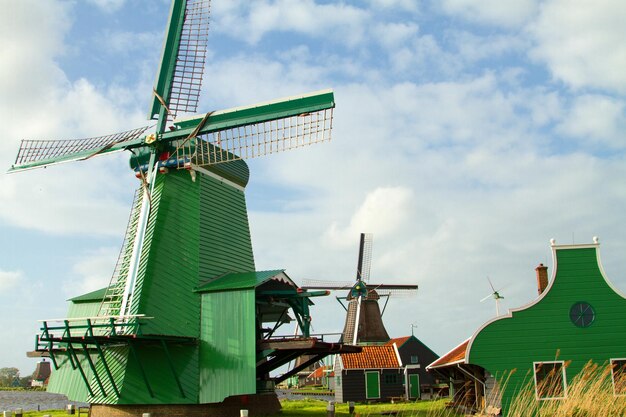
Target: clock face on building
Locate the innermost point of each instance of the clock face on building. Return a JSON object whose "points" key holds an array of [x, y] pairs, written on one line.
{"points": [[582, 314]]}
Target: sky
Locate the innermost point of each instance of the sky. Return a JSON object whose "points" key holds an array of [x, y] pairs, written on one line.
{"points": [[466, 135]]}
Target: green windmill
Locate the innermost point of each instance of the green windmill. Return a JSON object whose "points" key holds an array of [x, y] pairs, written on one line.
{"points": [[186, 320]]}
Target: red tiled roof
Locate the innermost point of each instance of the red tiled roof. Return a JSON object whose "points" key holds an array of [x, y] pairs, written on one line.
{"points": [[371, 357], [456, 355], [319, 372], [399, 341]]}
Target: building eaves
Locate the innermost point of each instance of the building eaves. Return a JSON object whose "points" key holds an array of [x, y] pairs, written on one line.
{"points": [[456, 355]]}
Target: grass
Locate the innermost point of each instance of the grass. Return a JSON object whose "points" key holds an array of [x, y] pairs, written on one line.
{"points": [[311, 408], [589, 394]]}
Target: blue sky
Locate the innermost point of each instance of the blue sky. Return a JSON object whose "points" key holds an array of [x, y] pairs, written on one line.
{"points": [[466, 135]]}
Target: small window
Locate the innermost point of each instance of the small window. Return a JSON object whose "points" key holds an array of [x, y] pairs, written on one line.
{"points": [[391, 379], [337, 381], [414, 359], [618, 375], [550, 382]]}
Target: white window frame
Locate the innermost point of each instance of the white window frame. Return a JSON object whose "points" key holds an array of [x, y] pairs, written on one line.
{"points": [[613, 376], [563, 376]]}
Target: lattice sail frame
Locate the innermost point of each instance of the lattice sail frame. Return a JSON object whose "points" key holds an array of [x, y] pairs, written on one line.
{"points": [[366, 259], [190, 60], [35, 153], [257, 139]]}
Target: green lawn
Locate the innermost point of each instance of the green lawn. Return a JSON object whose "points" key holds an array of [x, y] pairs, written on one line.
{"points": [[315, 408], [310, 408]]}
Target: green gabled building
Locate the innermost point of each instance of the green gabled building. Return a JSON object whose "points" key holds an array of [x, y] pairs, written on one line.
{"points": [[578, 317]]}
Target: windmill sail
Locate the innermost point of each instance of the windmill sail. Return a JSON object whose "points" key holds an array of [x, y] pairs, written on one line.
{"points": [[261, 130], [179, 79], [40, 153], [365, 257]]}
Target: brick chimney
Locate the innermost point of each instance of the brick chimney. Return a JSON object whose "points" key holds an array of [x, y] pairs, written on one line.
{"points": [[542, 278]]}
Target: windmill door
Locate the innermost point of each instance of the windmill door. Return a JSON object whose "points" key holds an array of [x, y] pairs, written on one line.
{"points": [[414, 386], [372, 384]]}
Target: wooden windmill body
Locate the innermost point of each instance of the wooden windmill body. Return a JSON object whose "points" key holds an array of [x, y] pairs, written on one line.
{"points": [[184, 320]]}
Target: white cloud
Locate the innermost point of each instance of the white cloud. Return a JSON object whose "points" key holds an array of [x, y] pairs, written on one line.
{"points": [[340, 23], [582, 42], [43, 104], [406, 5], [92, 272], [34, 32], [128, 42], [109, 6], [280, 79], [475, 48], [71, 199], [9, 280], [393, 35], [383, 212], [511, 13], [596, 120]]}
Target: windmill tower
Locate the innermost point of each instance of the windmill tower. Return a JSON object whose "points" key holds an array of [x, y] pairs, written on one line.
{"points": [[185, 284], [364, 323], [495, 294]]}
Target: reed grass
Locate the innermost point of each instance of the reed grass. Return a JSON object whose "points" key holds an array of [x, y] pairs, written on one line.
{"points": [[589, 394]]}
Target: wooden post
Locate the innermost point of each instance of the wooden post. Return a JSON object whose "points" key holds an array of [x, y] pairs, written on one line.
{"points": [[330, 409]]}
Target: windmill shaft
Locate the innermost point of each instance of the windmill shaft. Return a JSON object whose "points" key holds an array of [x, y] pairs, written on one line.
{"points": [[356, 321]]}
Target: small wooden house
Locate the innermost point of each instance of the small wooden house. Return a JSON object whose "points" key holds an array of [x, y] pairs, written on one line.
{"points": [[321, 376], [375, 374], [578, 317], [414, 357]]}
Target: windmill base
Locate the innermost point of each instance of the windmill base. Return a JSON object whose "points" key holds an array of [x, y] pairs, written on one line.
{"points": [[256, 404]]}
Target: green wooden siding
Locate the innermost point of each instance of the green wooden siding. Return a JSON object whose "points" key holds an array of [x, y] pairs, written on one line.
{"points": [[544, 332], [68, 381], [84, 309], [196, 229], [239, 280], [159, 375], [227, 349], [169, 263], [225, 244]]}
